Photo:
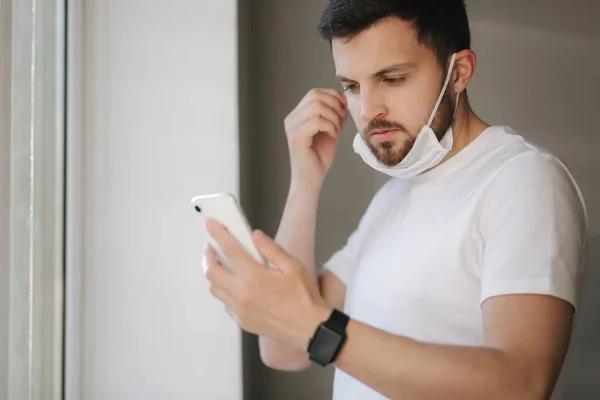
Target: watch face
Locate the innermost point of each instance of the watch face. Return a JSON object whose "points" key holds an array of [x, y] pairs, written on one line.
{"points": [[325, 343]]}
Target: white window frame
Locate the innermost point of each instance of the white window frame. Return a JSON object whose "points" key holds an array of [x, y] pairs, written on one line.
{"points": [[32, 137]]}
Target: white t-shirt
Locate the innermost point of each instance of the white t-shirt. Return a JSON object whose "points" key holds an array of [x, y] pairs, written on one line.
{"points": [[500, 217]]}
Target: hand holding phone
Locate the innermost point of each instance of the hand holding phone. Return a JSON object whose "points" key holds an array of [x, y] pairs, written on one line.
{"points": [[225, 209]]}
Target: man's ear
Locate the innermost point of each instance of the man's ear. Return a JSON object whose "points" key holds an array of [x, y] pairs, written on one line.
{"points": [[464, 68]]}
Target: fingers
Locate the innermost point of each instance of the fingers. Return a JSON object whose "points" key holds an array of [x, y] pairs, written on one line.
{"points": [[233, 316], [232, 250], [221, 282], [273, 252], [215, 272], [204, 265], [321, 110], [337, 104], [318, 125], [334, 94], [327, 98], [222, 296], [329, 95], [327, 104]]}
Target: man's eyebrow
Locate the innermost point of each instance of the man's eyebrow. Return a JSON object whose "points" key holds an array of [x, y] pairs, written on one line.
{"points": [[381, 72], [342, 78], [394, 68]]}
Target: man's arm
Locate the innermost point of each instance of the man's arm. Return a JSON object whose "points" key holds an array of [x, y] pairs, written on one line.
{"points": [[526, 340], [296, 234], [312, 129]]}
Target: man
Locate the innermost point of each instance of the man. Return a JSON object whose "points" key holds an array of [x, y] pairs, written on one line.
{"points": [[462, 279]]}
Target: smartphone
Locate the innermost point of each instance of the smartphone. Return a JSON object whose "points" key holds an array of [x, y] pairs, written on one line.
{"points": [[225, 209]]}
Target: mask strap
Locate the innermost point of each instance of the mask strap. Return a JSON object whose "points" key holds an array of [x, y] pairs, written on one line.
{"points": [[439, 101], [456, 106]]}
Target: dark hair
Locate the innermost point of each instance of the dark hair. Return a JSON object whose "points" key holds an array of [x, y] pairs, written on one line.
{"points": [[441, 25]]}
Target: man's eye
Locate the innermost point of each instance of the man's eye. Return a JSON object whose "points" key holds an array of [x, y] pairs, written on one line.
{"points": [[394, 81], [351, 88]]}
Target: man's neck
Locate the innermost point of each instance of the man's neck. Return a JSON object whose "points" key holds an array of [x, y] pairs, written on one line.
{"points": [[467, 126]]}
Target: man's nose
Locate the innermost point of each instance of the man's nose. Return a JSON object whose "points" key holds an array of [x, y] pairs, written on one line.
{"points": [[371, 105]]}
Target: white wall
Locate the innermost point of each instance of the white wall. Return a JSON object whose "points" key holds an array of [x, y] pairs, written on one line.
{"points": [[5, 94], [159, 108]]}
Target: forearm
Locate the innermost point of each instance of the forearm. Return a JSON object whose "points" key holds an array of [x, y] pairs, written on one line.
{"points": [[401, 368], [297, 228], [297, 235]]}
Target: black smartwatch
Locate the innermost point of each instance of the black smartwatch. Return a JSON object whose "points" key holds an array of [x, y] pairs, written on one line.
{"points": [[328, 339]]}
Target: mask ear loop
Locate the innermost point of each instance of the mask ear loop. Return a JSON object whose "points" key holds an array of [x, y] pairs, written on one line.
{"points": [[456, 106], [441, 96]]}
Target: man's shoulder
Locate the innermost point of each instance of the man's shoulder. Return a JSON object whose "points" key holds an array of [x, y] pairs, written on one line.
{"points": [[509, 153], [531, 177]]}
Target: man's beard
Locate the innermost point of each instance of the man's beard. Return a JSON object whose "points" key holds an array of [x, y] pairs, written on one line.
{"points": [[385, 152]]}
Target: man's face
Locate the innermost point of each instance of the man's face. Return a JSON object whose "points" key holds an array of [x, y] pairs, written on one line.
{"points": [[392, 84]]}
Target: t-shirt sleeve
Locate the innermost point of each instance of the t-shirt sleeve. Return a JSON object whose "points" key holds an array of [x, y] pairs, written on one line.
{"points": [[344, 261], [533, 225]]}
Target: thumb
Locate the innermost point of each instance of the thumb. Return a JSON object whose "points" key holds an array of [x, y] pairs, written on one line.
{"points": [[272, 251]]}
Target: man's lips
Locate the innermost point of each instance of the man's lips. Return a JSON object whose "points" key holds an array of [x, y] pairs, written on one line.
{"points": [[383, 134]]}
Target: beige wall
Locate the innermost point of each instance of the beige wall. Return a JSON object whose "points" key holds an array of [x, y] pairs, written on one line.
{"points": [[545, 84], [533, 74]]}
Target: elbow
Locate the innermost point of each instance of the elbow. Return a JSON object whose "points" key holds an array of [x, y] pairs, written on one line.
{"points": [[285, 365], [540, 389], [534, 388]]}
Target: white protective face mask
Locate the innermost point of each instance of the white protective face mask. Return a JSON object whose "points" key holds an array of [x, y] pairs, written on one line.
{"points": [[426, 152]]}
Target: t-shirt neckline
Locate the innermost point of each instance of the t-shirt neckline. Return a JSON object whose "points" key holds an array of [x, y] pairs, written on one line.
{"points": [[460, 157]]}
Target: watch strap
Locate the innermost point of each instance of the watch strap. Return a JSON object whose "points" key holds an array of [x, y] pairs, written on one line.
{"points": [[337, 321]]}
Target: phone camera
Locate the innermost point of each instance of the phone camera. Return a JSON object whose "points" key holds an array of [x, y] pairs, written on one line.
{"points": [[198, 209]]}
